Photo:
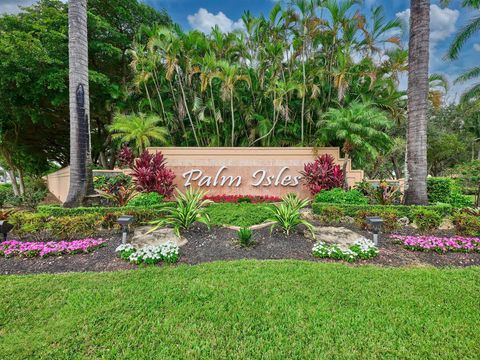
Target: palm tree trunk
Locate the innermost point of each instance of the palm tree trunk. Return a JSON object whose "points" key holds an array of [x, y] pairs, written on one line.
{"points": [[215, 116], [21, 181], [80, 170], [418, 58], [186, 107], [233, 117], [13, 180]]}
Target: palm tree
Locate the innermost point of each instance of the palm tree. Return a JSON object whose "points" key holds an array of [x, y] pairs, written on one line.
{"points": [[360, 128], [229, 75], [139, 129], [80, 158], [418, 88]]}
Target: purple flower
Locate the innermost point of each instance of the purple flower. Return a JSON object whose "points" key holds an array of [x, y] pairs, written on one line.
{"points": [[24, 248]]}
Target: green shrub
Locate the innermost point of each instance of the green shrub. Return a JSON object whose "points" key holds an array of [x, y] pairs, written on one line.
{"points": [[30, 199], [403, 210], [390, 219], [439, 189], [245, 237], [340, 196], [27, 223], [331, 214], [73, 227], [44, 227], [445, 190], [5, 192], [141, 213], [458, 200], [242, 214], [426, 220], [466, 224], [146, 200]]}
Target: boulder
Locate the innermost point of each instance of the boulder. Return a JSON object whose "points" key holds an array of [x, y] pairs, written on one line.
{"points": [[160, 236], [340, 236], [404, 221]]}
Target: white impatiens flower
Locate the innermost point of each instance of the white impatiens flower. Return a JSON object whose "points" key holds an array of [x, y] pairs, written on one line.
{"points": [[361, 248], [124, 247]]}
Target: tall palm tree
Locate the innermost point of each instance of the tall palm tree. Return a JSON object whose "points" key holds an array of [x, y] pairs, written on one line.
{"points": [[418, 88], [80, 158], [360, 128], [139, 129], [229, 75]]}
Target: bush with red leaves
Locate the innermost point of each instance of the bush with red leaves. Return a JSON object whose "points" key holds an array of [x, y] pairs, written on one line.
{"points": [[242, 198], [150, 174], [126, 157], [323, 174]]}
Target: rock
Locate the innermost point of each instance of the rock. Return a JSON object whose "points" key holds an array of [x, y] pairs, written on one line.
{"points": [[446, 225], [404, 221], [340, 236], [307, 214], [347, 220], [158, 237]]}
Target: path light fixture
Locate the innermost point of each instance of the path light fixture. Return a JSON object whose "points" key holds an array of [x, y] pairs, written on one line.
{"points": [[376, 222], [124, 221], [5, 228]]}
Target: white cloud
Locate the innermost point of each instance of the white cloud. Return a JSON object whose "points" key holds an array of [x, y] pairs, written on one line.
{"points": [[442, 22], [476, 47], [204, 21]]}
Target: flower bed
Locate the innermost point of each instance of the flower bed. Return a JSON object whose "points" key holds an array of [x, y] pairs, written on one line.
{"points": [[361, 249], [149, 254], [242, 198], [51, 248], [438, 243]]}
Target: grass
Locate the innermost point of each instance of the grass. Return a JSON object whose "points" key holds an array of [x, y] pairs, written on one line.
{"points": [[243, 309], [243, 214]]}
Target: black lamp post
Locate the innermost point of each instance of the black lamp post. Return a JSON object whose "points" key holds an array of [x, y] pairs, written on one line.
{"points": [[376, 222], [124, 221], [5, 228]]}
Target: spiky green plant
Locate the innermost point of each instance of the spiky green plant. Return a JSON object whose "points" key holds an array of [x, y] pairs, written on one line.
{"points": [[189, 208], [287, 215], [245, 236]]}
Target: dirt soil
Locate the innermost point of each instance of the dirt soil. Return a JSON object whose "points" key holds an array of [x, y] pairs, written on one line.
{"points": [[221, 244]]}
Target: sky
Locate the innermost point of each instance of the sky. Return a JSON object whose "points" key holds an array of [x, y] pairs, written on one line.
{"points": [[445, 22]]}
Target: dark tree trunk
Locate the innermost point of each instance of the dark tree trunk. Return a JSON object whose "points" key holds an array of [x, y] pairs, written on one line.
{"points": [[418, 58], [80, 156]]}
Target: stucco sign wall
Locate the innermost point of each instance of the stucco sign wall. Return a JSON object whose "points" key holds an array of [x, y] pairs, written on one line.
{"points": [[246, 171]]}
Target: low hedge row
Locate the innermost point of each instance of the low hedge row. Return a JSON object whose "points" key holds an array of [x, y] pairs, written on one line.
{"points": [[141, 211], [402, 210]]}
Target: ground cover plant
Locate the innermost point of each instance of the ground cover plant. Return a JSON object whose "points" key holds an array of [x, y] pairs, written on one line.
{"points": [[440, 244], [242, 214], [340, 196], [10, 248], [361, 249], [150, 254], [253, 309]]}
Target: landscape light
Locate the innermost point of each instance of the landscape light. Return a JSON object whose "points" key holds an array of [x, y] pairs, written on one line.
{"points": [[376, 222], [124, 221], [5, 228]]}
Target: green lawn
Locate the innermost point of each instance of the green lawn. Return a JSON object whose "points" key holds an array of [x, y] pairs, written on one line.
{"points": [[243, 214], [243, 309]]}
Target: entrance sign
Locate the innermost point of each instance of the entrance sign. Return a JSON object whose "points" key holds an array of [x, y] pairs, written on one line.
{"points": [[246, 171]]}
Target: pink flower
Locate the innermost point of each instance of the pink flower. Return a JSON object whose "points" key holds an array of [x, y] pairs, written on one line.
{"points": [[25, 248]]}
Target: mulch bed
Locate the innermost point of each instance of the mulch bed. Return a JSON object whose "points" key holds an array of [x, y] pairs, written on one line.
{"points": [[221, 244]]}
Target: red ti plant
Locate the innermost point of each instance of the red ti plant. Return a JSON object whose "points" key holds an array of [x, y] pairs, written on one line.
{"points": [[126, 157], [322, 174], [150, 174]]}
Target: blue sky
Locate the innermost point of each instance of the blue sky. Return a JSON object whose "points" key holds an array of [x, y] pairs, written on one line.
{"points": [[203, 14]]}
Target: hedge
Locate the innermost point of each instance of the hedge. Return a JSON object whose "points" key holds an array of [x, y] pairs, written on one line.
{"points": [[403, 210], [56, 210]]}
